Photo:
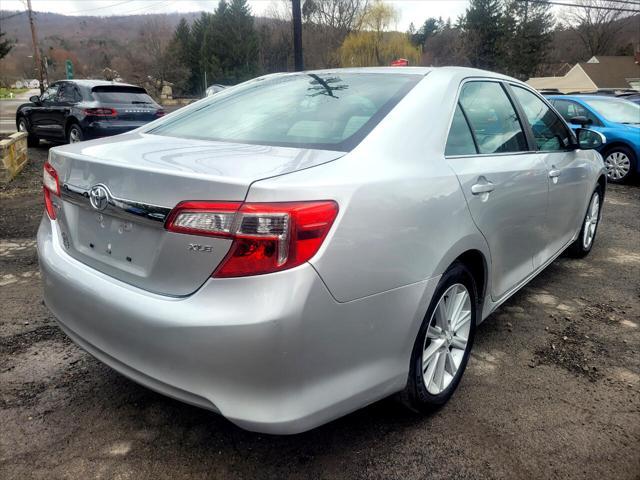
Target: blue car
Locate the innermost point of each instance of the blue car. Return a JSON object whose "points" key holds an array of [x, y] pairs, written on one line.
{"points": [[617, 119]]}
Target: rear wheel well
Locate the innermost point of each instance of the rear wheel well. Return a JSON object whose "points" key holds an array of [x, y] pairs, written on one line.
{"points": [[613, 146], [602, 183], [474, 260], [67, 124]]}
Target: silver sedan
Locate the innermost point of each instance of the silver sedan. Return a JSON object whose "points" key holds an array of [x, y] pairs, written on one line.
{"points": [[301, 245]]}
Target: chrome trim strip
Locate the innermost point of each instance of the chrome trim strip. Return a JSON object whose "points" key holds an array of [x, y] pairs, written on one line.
{"points": [[153, 215]]}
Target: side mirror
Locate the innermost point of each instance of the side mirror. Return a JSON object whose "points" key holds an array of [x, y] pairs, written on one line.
{"points": [[582, 121], [590, 139], [34, 99]]}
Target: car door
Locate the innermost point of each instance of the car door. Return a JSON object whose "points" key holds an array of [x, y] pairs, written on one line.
{"points": [[43, 117], [504, 183], [61, 108], [567, 167]]}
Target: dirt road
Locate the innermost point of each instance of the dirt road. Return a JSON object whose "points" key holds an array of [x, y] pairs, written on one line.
{"points": [[552, 389]]}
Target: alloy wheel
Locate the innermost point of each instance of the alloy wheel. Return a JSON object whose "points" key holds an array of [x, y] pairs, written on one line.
{"points": [[591, 221], [75, 136], [22, 125], [447, 338], [618, 165]]}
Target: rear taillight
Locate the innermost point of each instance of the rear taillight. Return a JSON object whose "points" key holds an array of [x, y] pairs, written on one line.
{"points": [[267, 237], [160, 113], [50, 186], [100, 112]]}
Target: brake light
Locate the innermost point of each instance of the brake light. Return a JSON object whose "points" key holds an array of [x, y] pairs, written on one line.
{"points": [[267, 237], [160, 113], [50, 185], [100, 112]]}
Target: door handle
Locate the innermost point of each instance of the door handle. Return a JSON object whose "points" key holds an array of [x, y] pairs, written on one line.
{"points": [[484, 187], [554, 172]]}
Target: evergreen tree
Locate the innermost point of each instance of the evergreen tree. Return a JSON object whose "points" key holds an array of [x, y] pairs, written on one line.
{"points": [[180, 50], [483, 34], [431, 27], [5, 46], [529, 29], [202, 59], [239, 58]]}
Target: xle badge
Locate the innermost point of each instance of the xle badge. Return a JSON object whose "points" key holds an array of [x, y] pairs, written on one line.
{"points": [[196, 247]]}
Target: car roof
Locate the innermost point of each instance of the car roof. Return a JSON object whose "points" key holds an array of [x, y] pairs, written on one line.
{"points": [[453, 71], [586, 97], [88, 83]]}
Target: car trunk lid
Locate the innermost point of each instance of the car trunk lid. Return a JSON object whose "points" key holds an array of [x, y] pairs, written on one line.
{"points": [[143, 177]]}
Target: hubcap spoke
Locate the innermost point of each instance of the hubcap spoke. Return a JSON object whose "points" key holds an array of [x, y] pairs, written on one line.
{"points": [[459, 342], [461, 321], [430, 351]]}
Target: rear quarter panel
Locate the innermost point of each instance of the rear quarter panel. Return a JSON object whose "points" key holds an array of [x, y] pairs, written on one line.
{"points": [[403, 217]]}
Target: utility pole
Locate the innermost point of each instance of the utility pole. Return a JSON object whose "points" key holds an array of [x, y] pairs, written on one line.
{"points": [[36, 47], [297, 36]]}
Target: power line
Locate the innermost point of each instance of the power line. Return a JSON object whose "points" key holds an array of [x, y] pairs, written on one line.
{"points": [[594, 7], [101, 8], [162, 3]]}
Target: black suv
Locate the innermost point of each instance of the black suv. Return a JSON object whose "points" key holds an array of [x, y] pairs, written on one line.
{"points": [[76, 110]]}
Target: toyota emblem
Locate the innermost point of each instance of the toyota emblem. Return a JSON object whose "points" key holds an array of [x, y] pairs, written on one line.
{"points": [[99, 197]]}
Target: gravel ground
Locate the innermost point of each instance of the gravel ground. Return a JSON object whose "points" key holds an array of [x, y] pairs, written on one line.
{"points": [[552, 389]]}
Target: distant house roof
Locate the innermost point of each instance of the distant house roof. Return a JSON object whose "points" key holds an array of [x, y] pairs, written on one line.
{"points": [[597, 73], [611, 72]]}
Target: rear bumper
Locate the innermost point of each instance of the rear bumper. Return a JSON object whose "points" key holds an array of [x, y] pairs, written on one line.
{"points": [[273, 353], [108, 128]]}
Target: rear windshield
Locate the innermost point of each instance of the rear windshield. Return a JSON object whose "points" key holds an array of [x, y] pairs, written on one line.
{"points": [[114, 94], [332, 111]]}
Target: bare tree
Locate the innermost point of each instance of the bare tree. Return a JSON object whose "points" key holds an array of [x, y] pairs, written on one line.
{"points": [[596, 23], [340, 15], [161, 63]]}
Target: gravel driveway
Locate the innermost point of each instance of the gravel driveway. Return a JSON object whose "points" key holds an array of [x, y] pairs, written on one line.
{"points": [[552, 389]]}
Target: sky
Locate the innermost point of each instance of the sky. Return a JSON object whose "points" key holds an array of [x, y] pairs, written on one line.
{"points": [[416, 11]]}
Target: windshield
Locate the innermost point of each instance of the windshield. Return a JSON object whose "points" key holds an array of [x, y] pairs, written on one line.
{"points": [[111, 94], [615, 110], [333, 111]]}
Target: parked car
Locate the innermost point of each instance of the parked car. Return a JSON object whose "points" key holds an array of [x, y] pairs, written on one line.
{"points": [[213, 89], [74, 110], [301, 245], [617, 119], [632, 97]]}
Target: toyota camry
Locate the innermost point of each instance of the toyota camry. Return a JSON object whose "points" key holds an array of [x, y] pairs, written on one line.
{"points": [[303, 244]]}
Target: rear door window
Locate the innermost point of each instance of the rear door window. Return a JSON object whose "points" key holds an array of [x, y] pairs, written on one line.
{"points": [[492, 118], [549, 130], [121, 95], [68, 93], [460, 140], [331, 111]]}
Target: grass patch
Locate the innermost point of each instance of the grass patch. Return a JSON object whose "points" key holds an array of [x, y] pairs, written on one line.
{"points": [[6, 92]]}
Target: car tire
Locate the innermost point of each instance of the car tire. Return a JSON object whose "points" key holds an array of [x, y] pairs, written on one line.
{"points": [[74, 133], [584, 243], [23, 126], [438, 359], [621, 164]]}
